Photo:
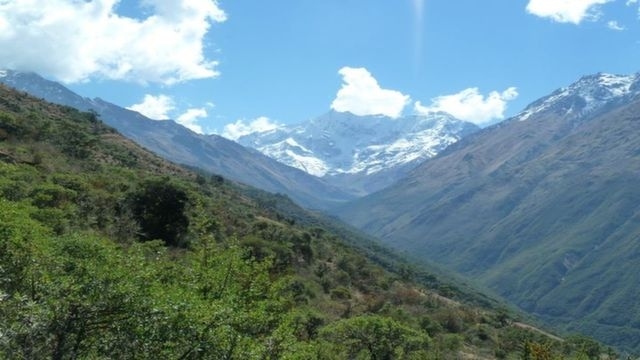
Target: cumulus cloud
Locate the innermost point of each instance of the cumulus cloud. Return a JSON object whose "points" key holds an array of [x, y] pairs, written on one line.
{"points": [[240, 128], [74, 41], [190, 119], [613, 25], [161, 107], [361, 95], [155, 107], [471, 105], [565, 11]]}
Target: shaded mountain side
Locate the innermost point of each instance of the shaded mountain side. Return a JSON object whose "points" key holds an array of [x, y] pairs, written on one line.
{"points": [[179, 144], [542, 208], [110, 251], [362, 184], [221, 156]]}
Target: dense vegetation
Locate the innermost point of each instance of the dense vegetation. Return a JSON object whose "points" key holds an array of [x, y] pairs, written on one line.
{"points": [[107, 251]]}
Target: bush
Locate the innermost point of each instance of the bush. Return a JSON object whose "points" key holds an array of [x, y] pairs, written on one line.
{"points": [[376, 336], [340, 293], [160, 209]]}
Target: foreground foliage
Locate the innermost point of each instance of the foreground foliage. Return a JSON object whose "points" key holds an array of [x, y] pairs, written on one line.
{"points": [[107, 251]]}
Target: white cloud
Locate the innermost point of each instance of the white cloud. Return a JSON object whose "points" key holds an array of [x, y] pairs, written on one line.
{"points": [[74, 40], [565, 11], [155, 107], [190, 119], [238, 129], [632, 3], [361, 95], [161, 107], [471, 106], [613, 25]]}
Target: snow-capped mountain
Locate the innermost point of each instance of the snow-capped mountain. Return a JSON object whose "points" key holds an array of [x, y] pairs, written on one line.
{"points": [[344, 146], [591, 93]]}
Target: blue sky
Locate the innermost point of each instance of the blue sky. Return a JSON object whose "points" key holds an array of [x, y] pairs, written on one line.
{"points": [[241, 65]]}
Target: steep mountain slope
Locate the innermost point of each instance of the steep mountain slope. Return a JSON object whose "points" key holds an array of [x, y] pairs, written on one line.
{"points": [[109, 251], [543, 208], [177, 143], [362, 153]]}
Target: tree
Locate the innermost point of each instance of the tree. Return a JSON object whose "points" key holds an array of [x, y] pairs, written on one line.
{"points": [[584, 345], [160, 209], [380, 338]]}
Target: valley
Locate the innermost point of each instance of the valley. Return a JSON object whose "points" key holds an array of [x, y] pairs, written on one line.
{"points": [[358, 180], [535, 208], [111, 251]]}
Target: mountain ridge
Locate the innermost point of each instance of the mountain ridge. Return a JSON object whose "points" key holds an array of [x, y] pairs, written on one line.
{"points": [[541, 208], [179, 144]]}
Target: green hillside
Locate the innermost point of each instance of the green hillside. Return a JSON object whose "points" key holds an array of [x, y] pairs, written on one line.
{"points": [[107, 251], [545, 212]]}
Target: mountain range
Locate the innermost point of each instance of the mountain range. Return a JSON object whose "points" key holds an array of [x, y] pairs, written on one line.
{"points": [[543, 208], [320, 163], [109, 251], [361, 154], [176, 143]]}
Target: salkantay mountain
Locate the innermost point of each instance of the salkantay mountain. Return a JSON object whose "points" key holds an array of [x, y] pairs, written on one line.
{"points": [[360, 153]]}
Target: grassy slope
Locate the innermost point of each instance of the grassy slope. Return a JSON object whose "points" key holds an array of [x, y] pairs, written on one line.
{"points": [[249, 275], [542, 211]]}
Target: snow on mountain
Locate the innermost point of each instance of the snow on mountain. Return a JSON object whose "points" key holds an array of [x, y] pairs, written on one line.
{"points": [[590, 93], [340, 143], [367, 153], [297, 156]]}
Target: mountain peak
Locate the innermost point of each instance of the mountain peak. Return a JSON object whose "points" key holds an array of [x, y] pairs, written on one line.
{"points": [[590, 93], [345, 145], [606, 84], [16, 73]]}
